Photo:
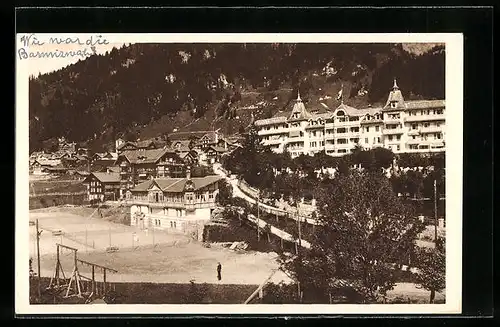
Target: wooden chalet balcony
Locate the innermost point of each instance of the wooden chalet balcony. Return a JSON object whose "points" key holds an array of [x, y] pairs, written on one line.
{"points": [[172, 204]]}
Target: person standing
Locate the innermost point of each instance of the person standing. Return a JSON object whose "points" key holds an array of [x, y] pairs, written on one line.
{"points": [[219, 269]]}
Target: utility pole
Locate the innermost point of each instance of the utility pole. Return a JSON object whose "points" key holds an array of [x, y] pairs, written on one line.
{"points": [[38, 257], [258, 217], [435, 214]]}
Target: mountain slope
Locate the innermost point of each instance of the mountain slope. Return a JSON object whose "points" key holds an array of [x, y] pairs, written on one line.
{"points": [[146, 90]]}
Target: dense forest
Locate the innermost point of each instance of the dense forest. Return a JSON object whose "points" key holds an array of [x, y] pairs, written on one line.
{"points": [[127, 90]]}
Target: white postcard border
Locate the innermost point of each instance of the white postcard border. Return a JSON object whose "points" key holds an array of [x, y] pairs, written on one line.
{"points": [[454, 154]]}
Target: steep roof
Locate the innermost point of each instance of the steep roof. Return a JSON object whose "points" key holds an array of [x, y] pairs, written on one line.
{"points": [[176, 185], [423, 104], [395, 96], [299, 109], [187, 135], [139, 144], [107, 177], [145, 156]]}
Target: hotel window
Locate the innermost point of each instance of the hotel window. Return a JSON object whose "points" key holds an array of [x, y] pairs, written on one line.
{"points": [[367, 129], [341, 130], [171, 224], [366, 140], [414, 126], [398, 148], [354, 129], [438, 136], [378, 139], [322, 143], [376, 128], [175, 224], [398, 137], [426, 124], [413, 137], [439, 111], [390, 137]]}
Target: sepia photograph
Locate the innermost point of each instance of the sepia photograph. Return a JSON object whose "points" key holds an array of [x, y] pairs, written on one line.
{"points": [[315, 172]]}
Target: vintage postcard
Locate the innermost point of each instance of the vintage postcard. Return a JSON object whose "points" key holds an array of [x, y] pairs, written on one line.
{"points": [[239, 173]]}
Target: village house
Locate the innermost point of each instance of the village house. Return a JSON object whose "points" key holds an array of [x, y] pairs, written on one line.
{"points": [[103, 186], [40, 166], [180, 205], [139, 165], [65, 146], [190, 158], [122, 146], [214, 153], [201, 139]]}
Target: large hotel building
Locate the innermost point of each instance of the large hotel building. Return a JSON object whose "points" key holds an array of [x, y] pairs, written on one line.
{"points": [[401, 126]]}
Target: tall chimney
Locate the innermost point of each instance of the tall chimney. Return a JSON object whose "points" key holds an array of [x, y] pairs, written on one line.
{"points": [[188, 172]]}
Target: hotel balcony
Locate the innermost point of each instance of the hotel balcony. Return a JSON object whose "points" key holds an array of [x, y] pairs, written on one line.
{"points": [[413, 132], [431, 129], [374, 121], [329, 136], [391, 131], [388, 121], [274, 141], [318, 126], [281, 130], [414, 141], [347, 123], [424, 118]]}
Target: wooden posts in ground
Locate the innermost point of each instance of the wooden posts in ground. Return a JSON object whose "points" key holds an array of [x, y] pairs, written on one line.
{"points": [[38, 232], [258, 217]]}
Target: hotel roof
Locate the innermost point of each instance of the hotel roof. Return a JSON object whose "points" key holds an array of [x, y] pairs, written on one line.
{"points": [[176, 185]]}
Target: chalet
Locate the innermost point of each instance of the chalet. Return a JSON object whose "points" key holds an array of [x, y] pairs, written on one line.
{"points": [[180, 205], [82, 151], [36, 168], [110, 169], [56, 170], [70, 162], [139, 165], [190, 158], [201, 139], [214, 153], [65, 146], [139, 145], [182, 146], [102, 186], [80, 174]]}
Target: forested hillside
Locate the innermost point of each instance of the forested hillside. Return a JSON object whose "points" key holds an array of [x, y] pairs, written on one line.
{"points": [[147, 90]]}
